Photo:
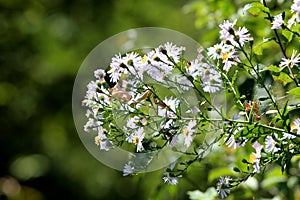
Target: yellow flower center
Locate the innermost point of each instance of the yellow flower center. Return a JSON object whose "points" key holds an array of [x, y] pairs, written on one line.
{"points": [[136, 140], [185, 131], [97, 140], [225, 56], [253, 157], [144, 59]]}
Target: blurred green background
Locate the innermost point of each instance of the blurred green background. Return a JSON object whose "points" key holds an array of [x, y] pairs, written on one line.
{"points": [[42, 45]]}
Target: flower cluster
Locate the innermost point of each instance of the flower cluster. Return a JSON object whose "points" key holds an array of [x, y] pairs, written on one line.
{"points": [[232, 39], [278, 21], [142, 102], [129, 107]]}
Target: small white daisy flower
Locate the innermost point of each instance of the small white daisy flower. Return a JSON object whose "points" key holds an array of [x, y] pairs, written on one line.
{"points": [[270, 144], [255, 157], [243, 36], [295, 8], [188, 132], [137, 138], [277, 22], [128, 170], [170, 180], [295, 127], [102, 141], [290, 62], [223, 187]]}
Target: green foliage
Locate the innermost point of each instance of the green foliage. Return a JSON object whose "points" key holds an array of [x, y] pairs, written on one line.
{"points": [[256, 8], [295, 91], [209, 194]]}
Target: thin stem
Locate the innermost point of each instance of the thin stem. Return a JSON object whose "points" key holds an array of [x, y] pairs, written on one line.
{"points": [[233, 89], [259, 78], [278, 40]]}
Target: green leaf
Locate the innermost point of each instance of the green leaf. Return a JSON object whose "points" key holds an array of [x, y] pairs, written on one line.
{"points": [[209, 194], [258, 48], [283, 78], [256, 8], [273, 177], [295, 91], [288, 35], [272, 68], [216, 173]]}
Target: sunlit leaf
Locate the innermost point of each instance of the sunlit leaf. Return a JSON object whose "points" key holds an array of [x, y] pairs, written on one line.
{"points": [[273, 68], [258, 48], [222, 171], [256, 8], [209, 194], [288, 35], [295, 91], [283, 78], [273, 177]]}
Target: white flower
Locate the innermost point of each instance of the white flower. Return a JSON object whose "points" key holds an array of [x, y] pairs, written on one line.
{"points": [[170, 180], [235, 37], [226, 53], [167, 124], [233, 142], [100, 74], [132, 122], [128, 170], [229, 59], [192, 68], [223, 187], [287, 136], [277, 22], [296, 126], [137, 138], [92, 88], [92, 124], [215, 52], [170, 109], [188, 132], [116, 68], [243, 36], [102, 141], [163, 57], [227, 30], [173, 51], [290, 62], [134, 64], [211, 78], [292, 21], [270, 144], [295, 8], [255, 157]]}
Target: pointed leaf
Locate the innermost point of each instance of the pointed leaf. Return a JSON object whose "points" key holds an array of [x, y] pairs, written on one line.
{"points": [[295, 91], [288, 35], [256, 8], [283, 78]]}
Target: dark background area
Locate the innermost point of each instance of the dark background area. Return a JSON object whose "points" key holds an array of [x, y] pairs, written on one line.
{"points": [[42, 45]]}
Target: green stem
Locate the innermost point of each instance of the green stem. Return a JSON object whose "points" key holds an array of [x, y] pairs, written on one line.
{"points": [[278, 40]]}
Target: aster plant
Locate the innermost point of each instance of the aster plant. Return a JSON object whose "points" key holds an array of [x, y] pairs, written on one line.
{"points": [[140, 102]]}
